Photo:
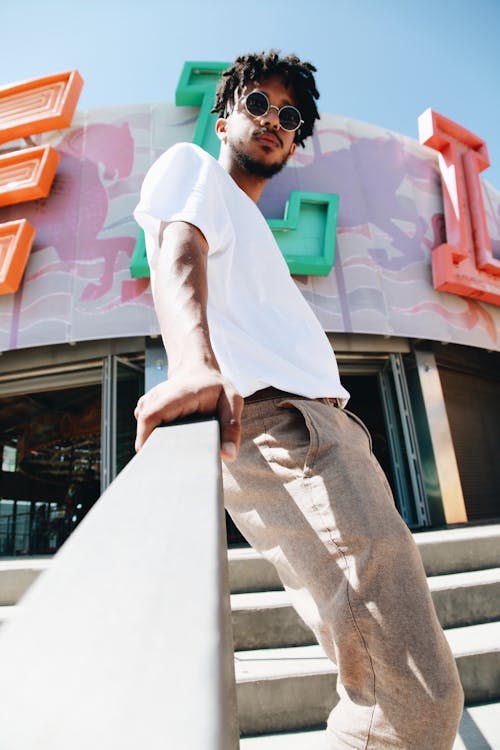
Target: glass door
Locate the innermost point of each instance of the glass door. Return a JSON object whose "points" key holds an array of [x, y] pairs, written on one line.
{"points": [[123, 384]]}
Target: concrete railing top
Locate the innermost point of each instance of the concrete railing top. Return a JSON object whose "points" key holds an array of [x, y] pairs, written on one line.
{"points": [[125, 641]]}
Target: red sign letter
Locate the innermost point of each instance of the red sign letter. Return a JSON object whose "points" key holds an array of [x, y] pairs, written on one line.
{"points": [[464, 264]]}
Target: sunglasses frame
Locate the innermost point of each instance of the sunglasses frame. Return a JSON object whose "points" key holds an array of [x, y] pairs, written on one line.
{"points": [[273, 106]]}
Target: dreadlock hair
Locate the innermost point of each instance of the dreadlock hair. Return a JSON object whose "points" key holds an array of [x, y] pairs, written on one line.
{"points": [[257, 67]]}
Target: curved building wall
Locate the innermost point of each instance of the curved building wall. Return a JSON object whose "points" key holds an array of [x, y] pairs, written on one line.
{"points": [[78, 287], [67, 412]]}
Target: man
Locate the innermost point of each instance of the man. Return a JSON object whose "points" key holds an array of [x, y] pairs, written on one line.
{"points": [[303, 486]]}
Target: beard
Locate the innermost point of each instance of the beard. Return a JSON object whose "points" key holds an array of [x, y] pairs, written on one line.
{"points": [[253, 166]]}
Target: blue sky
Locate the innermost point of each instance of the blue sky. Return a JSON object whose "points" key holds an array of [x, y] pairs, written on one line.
{"points": [[382, 61]]}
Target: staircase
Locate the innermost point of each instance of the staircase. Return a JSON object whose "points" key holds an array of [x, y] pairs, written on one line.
{"points": [[286, 686]]}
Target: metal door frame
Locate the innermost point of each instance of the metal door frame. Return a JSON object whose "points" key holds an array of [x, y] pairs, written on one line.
{"points": [[402, 409], [407, 469]]}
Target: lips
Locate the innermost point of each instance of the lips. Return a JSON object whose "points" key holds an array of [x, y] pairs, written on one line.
{"points": [[268, 138]]}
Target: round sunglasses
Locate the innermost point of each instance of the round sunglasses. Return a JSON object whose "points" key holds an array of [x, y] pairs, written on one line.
{"points": [[257, 104]]}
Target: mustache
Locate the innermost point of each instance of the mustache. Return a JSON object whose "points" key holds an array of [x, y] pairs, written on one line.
{"points": [[265, 131]]}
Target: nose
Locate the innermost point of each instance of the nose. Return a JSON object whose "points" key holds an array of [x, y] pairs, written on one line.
{"points": [[271, 118]]}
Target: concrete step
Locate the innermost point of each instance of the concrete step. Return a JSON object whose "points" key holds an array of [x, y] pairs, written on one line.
{"points": [[477, 652], [249, 571], [466, 598], [294, 688], [16, 576], [460, 549], [479, 730], [445, 551], [266, 619], [284, 689]]}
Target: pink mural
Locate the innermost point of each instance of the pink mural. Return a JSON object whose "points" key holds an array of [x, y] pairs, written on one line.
{"points": [[77, 285], [390, 219], [72, 217]]}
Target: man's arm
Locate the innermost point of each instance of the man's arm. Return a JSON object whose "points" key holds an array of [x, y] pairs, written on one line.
{"points": [[195, 384]]}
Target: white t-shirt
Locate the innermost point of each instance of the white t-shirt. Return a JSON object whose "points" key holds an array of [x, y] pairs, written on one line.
{"points": [[262, 330]]}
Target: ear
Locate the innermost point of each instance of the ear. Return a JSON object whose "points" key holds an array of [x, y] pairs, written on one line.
{"points": [[221, 128], [293, 148]]}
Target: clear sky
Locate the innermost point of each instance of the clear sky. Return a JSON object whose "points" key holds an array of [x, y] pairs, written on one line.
{"points": [[382, 61]]}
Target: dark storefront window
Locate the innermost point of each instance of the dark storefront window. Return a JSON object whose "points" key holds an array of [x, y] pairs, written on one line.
{"points": [[56, 443], [50, 473]]}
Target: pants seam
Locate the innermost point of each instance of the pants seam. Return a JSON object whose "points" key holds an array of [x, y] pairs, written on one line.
{"points": [[316, 509], [354, 622]]}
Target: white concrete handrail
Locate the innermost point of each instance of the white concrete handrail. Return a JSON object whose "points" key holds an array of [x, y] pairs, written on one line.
{"points": [[125, 642]]}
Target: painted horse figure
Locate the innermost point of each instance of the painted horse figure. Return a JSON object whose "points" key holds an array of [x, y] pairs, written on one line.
{"points": [[72, 218]]}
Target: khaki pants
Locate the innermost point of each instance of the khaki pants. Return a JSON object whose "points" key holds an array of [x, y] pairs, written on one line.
{"points": [[307, 492]]}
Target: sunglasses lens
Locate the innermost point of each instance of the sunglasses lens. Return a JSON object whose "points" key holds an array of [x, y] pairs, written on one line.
{"points": [[257, 103], [289, 118]]}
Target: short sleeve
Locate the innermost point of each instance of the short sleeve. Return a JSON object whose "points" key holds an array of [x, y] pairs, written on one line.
{"points": [[184, 185]]}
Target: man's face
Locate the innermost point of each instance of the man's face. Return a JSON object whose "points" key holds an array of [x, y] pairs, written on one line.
{"points": [[259, 144]]}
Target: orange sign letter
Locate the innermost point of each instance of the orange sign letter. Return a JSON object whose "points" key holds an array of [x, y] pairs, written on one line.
{"points": [[26, 174]]}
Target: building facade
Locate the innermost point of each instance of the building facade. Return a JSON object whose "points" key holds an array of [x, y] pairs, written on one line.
{"points": [[80, 340]]}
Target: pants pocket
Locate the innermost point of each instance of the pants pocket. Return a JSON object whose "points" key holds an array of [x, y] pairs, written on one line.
{"points": [[300, 407], [360, 422]]}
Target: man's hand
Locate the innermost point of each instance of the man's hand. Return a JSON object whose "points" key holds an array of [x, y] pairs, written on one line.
{"points": [[201, 392]]}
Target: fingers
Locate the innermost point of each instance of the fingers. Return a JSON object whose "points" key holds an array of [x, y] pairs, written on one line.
{"points": [[145, 424], [168, 401], [229, 410], [152, 409]]}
